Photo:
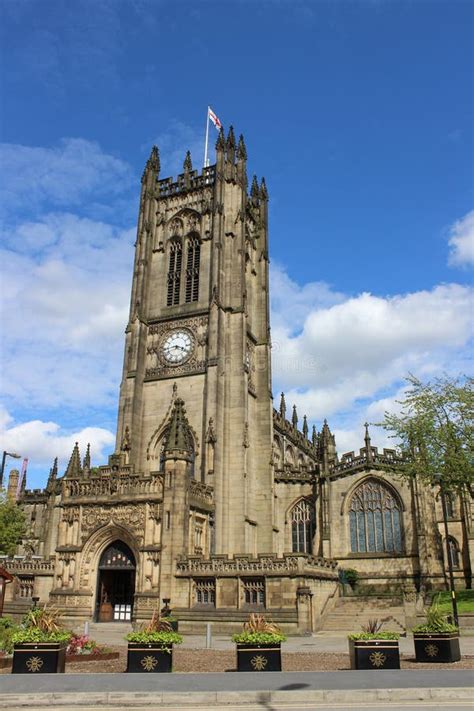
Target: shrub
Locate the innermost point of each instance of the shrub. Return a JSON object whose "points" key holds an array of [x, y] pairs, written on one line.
{"points": [[351, 576], [164, 639], [372, 630], [42, 624], [7, 628], [258, 630], [374, 635], [436, 622]]}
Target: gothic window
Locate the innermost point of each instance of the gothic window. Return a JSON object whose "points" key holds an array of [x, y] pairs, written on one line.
{"points": [[117, 556], [26, 584], [254, 592], [174, 273], [303, 526], [192, 270], [205, 591], [375, 519], [450, 505], [454, 552]]}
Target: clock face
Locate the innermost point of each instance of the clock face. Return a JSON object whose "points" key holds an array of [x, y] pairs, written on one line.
{"points": [[177, 347]]}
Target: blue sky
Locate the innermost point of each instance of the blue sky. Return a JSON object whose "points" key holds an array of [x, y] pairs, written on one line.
{"points": [[359, 115]]}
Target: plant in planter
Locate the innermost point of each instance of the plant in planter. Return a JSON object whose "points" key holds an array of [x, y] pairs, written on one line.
{"points": [[7, 628], [151, 648], [437, 640], [40, 643], [374, 649], [82, 648], [259, 645]]}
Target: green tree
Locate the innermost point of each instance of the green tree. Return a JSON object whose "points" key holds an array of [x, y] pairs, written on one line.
{"points": [[12, 524], [435, 429]]}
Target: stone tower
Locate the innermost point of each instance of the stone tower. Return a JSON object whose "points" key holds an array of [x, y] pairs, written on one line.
{"points": [[199, 330]]}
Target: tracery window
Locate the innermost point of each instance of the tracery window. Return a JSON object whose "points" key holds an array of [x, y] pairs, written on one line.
{"points": [[205, 591], [450, 505], [118, 556], [26, 585], [174, 273], [375, 519], [254, 591], [303, 526], [454, 552], [192, 270]]}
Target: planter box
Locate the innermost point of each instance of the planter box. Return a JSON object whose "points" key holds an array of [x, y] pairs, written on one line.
{"points": [[39, 658], [146, 658], [442, 648], [258, 657], [5, 661], [374, 654], [92, 657]]}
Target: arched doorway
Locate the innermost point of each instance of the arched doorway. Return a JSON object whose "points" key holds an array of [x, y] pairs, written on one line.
{"points": [[116, 583]]}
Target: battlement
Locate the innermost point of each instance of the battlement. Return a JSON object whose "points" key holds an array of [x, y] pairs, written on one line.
{"points": [[294, 563], [185, 182], [366, 459]]}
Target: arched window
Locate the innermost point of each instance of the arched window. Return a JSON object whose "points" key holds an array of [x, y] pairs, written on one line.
{"points": [[454, 552], [450, 505], [117, 556], [375, 519], [192, 270], [303, 526], [174, 273]]}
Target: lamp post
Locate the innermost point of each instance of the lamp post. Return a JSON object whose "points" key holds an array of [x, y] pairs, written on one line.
{"points": [[5, 455], [439, 481]]}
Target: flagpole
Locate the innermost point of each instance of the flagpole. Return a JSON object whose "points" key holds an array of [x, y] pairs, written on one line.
{"points": [[207, 139]]}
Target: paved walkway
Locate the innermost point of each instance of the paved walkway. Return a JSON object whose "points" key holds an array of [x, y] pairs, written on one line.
{"points": [[113, 634]]}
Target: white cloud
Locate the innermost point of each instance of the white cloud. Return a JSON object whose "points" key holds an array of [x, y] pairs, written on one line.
{"points": [[461, 241], [41, 441], [349, 360], [61, 176], [65, 309]]}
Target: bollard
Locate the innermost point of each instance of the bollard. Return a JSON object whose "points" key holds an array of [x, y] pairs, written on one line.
{"points": [[86, 629], [208, 636]]}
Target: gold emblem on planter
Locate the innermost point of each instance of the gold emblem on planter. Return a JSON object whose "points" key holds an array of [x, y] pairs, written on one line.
{"points": [[431, 650], [34, 664], [149, 663], [259, 662], [377, 659]]}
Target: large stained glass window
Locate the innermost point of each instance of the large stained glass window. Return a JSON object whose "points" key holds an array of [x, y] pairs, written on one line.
{"points": [[375, 519], [303, 526]]}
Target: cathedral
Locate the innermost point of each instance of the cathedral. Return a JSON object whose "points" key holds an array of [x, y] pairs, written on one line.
{"points": [[216, 503]]}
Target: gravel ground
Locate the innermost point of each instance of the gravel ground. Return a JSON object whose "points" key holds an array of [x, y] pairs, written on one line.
{"points": [[212, 660]]}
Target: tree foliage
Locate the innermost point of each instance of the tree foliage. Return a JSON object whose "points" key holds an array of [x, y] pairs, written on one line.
{"points": [[435, 429], [12, 524]]}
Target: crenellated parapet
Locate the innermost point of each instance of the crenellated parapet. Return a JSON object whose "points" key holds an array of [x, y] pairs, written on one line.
{"points": [[186, 182], [114, 485], [367, 459], [201, 495], [26, 565], [223, 565]]}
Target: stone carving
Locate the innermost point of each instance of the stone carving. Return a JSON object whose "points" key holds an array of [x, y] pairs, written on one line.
{"points": [[120, 484], [201, 491], [70, 514], [211, 433], [130, 515], [263, 564], [176, 227], [126, 440], [155, 511]]}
